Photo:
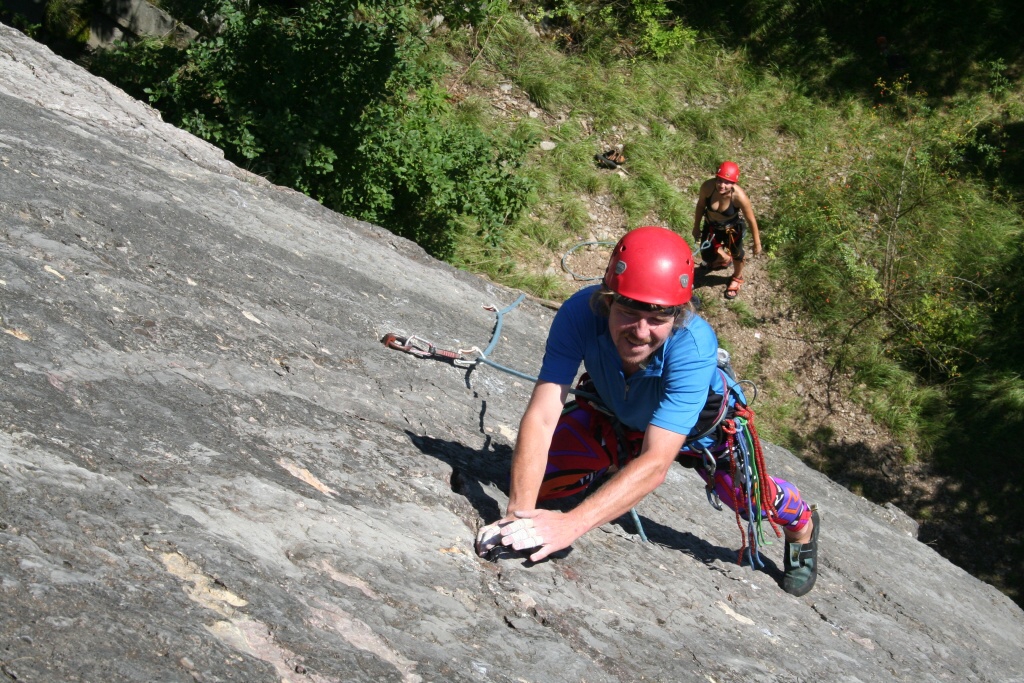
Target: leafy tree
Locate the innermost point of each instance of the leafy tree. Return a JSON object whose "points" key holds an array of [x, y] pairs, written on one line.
{"points": [[831, 46], [651, 25], [334, 99]]}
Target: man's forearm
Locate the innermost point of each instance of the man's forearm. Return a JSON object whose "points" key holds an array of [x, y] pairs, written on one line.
{"points": [[530, 457], [620, 494], [633, 482], [526, 478]]}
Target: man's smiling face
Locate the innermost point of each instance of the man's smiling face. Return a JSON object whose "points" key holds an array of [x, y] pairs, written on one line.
{"points": [[637, 334]]}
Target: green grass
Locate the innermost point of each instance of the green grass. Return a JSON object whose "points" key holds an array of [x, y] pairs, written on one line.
{"points": [[677, 119], [745, 315]]}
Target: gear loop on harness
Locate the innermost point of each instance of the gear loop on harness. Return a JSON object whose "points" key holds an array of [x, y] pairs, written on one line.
{"points": [[711, 466]]}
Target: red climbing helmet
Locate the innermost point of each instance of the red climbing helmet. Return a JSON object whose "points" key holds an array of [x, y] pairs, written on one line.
{"points": [[729, 171], [652, 265]]}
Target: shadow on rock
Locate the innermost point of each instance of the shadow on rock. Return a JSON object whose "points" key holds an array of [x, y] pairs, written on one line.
{"points": [[877, 474], [472, 469], [475, 469], [695, 546]]}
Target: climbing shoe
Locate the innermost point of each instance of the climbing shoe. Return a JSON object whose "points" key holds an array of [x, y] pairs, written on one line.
{"points": [[801, 562]]}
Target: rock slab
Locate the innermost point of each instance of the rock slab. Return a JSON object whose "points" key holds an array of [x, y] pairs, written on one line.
{"points": [[212, 470]]}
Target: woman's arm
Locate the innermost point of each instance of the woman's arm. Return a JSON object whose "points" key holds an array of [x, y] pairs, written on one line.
{"points": [[740, 197], [698, 214]]}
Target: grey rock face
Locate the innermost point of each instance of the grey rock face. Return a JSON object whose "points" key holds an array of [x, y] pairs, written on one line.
{"points": [[117, 20], [211, 469]]}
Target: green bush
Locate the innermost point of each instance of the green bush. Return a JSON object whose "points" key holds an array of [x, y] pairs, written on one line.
{"points": [[417, 177], [336, 100], [897, 250]]}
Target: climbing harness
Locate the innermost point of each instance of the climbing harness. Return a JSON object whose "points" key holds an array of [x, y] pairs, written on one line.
{"points": [[712, 247], [610, 159], [739, 448]]}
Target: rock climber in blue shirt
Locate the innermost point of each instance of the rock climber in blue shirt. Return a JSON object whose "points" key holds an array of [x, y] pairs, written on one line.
{"points": [[652, 363]]}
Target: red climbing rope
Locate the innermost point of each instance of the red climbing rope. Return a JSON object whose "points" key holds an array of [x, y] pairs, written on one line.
{"points": [[762, 470]]}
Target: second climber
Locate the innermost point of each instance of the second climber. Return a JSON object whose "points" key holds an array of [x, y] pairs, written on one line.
{"points": [[720, 221]]}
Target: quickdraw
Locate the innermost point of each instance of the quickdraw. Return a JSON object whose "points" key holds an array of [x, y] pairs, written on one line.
{"points": [[421, 348]]}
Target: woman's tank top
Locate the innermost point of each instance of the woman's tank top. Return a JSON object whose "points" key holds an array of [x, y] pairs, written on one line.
{"points": [[730, 212]]}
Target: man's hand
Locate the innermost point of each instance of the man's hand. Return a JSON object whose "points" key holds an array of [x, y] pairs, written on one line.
{"points": [[547, 530], [489, 537]]}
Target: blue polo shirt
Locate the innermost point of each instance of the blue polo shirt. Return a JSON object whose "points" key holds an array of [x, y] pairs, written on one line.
{"points": [[669, 392]]}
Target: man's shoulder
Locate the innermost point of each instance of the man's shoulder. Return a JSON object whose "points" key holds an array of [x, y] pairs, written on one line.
{"points": [[576, 316], [698, 333], [580, 301], [698, 326]]}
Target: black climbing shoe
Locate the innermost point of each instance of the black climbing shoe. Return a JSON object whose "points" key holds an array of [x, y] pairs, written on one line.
{"points": [[801, 562]]}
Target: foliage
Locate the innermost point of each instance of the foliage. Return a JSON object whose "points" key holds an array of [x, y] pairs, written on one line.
{"points": [[887, 239], [62, 24], [136, 68], [832, 49], [334, 99], [458, 13], [20, 22], [652, 27], [417, 178], [69, 19]]}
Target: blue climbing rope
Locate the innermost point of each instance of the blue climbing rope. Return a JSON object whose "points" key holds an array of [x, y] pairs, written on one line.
{"points": [[566, 255]]}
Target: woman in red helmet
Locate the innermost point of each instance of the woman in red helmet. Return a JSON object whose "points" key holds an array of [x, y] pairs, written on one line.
{"points": [[725, 210], [652, 366]]}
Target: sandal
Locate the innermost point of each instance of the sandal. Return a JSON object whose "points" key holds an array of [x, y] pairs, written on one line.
{"points": [[610, 159], [734, 288]]}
